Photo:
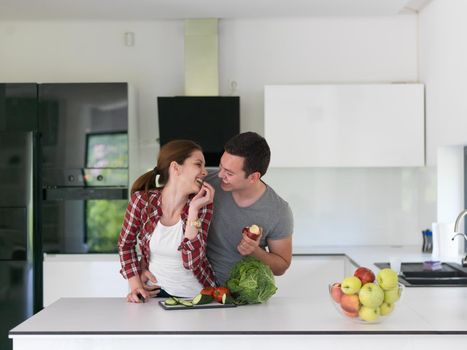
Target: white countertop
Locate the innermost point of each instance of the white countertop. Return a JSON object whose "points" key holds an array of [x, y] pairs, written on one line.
{"points": [[421, 311], [368, 255]]}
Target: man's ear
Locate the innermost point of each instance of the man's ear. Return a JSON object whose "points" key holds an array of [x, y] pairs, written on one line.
{"points": [[254, 177]]}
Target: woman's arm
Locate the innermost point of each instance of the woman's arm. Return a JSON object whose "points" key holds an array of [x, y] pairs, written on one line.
{"points": [[194, 249], [128, 238], [193, 246]]}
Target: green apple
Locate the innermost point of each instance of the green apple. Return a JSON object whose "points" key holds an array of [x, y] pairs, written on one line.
{"points": [[387, 279], [386, 308], [371, 295], [369, 314], [351, 285], [392, 295]]}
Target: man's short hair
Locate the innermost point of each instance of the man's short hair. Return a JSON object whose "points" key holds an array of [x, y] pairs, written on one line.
{"points": [[253, 148]]}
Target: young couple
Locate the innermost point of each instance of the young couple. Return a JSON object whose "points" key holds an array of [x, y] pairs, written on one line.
{"points": [[189, 231]]}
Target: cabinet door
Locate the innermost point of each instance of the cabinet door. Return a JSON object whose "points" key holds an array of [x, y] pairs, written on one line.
{"points": [[82, 276], [345, 125]]}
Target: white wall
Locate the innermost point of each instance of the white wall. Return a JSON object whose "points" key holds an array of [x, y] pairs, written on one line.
{"points": [[443, 68], [94, 51], [352, 206], [255, 53], [333, 206]]}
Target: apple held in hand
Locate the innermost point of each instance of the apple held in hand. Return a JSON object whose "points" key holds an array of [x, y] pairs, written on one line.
{"points": [[364, 274], [336, 292], [252, 231], [387, 279], [351, 285], [350, 303], [371, 295]]}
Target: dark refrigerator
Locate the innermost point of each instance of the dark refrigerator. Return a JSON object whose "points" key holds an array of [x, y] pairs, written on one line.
{"points": [[63, 170], [20, 270]]}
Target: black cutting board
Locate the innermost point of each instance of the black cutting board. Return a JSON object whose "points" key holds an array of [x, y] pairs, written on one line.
{"points": [[212, 305]]}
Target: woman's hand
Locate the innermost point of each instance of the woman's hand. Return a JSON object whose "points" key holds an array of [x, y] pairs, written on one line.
{"points": [[150, 283], [204, 197], [137, 296], [137, 293]]}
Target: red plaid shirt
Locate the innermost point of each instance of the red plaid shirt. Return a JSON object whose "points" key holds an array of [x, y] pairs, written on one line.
{"points": [[139, 226]]}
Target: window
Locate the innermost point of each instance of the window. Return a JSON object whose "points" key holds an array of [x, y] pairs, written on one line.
{"points": [[106, 165]]}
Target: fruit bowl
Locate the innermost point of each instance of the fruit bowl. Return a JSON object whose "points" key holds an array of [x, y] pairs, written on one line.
{"points": [[350, 306]]}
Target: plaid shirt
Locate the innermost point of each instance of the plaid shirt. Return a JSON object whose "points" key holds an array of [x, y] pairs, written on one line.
{"points": [[141, 217]]}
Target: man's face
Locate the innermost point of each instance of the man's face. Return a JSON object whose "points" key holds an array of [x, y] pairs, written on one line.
{"points": [[232, 174]]}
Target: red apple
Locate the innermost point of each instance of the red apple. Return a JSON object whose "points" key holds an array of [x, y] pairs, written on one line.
{"points": [[336, 292], [365, 275], [350, 314], [252, 231], [350, 302]]}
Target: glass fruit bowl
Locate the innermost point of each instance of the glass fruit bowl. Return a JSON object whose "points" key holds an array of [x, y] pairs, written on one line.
{"points": [[366, 306]]}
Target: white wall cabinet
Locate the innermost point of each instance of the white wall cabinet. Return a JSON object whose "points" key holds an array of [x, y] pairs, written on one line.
{"points": [[363, 125]]}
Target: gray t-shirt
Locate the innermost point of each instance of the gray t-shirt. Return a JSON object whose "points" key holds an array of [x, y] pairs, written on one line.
{"points": [[270, 212]]}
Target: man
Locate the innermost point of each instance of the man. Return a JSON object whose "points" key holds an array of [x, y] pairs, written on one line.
{"points": [[243, 199]]}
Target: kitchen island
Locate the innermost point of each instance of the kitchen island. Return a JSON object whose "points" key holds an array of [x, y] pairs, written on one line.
{"points": [[299, 316]]}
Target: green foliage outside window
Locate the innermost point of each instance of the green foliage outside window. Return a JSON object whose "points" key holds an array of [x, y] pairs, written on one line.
{"points": [[107, 156], [104, 222]]}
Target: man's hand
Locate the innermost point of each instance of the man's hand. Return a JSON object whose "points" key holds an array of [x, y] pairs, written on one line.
{"points": [[247, 245]]}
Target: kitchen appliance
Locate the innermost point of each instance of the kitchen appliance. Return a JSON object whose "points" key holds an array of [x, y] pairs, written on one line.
{"points": [[84, 137], [63, 170], [20, 256], [414, 274], [208, 120]]}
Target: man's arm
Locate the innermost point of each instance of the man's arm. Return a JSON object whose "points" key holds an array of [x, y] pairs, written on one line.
{"points": [[278, 258]]}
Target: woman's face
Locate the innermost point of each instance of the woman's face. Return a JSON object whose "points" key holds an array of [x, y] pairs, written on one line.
{"points": [[193, 171]]}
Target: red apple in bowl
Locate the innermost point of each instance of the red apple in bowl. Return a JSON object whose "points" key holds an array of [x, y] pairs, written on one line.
{"points": [[350, 314], [365, 275], [252, 231], [336, 292], [350, 303]]}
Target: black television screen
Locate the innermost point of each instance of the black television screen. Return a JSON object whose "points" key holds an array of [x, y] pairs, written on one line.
{"points": [[207, 120]]}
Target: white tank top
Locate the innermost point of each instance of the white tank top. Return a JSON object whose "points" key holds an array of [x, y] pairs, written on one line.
{"points": [[166, 262]]}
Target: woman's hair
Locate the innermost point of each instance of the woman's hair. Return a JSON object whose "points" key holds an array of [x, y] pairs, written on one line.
{"points": [[176, 150]]}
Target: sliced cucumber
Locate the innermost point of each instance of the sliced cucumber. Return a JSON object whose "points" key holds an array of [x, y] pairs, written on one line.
{"points": [[171, 302], [227, 299], [187, 303], [201, 299]]}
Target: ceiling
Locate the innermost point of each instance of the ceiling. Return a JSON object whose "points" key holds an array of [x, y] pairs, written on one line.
{"points": [[181, 9]]}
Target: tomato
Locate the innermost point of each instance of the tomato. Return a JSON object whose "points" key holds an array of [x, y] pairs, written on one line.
{"points": [[219, 293], [207, 291]]}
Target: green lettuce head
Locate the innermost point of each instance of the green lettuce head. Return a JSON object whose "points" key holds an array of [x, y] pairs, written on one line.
{"points": [[251, 281]]}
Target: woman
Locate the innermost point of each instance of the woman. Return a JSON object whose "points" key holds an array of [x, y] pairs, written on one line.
{"points": [[169, 214]]}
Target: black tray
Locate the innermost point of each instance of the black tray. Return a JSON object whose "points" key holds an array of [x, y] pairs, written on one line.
{"points": [[213, 305]]}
